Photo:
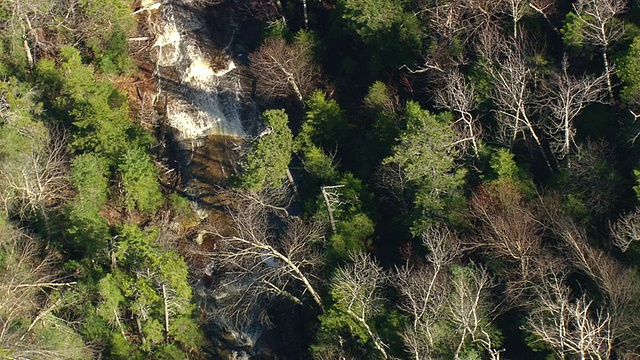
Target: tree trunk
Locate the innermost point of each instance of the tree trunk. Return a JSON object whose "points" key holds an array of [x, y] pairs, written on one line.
{"points": [[166, 312], [292, 181], [329, 209], [291, 80], [25, 43], [541, 12], [305, 281], [607, 71], [376, 342], [27, 50], [119, 324], [306, 17], [537, 140]]}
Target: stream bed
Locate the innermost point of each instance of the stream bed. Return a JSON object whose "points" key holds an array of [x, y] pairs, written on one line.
{"points": [[197, 54]]}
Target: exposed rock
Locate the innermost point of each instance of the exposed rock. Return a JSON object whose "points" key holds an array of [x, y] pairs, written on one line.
{"points": [[202, 90]]}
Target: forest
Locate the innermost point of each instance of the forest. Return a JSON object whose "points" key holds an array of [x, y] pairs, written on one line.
{"points": [[427, 179]]}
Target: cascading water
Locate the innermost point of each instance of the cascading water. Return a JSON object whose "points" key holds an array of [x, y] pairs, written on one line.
{"points": [[201, 85], [205, 105]]}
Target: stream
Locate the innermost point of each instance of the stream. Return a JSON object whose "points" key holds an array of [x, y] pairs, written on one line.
{"points": [[198, 56], [203, 87]]}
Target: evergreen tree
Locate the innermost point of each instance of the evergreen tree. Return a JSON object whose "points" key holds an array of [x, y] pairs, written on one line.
{"points": [[426, 156], [268, 160], [140, 181]]}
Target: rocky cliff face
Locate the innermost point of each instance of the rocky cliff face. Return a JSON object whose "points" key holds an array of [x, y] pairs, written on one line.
{"points": [[201, 87]]}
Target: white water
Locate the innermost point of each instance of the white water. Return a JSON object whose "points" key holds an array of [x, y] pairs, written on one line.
{"points": [[203, 91], [204, 96]]}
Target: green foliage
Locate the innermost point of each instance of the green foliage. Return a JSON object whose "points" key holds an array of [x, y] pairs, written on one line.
{"points": [[21, 131], [98, 112], [507, 171], [136, 287], [90, 176], [636, 187], [13, 59], [135, 248], [380, 99], [352, 235], [114, 59], [369, 17], [169, 352], [122, 349], [337, 324], [427, 156], [53, 334], [88, 230], [308, 39], [180, 205], [629, 72], [275, 29], [140, 181], [573, 31], [574, 205], [391, 34], [354, 194], [324, 124], [322, 128], [94, 328], [268, 161], [318, 164], [381, 107], [152, 330], [107, 31], [185, 331], [112, 298], [504, 166]]}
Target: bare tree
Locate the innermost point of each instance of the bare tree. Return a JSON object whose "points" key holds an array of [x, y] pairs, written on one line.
{"points": [[459, 96], [424, 290], [262, 261], [38, 179], [636, 116], [468, 307], [570, 326], [565, 96], [357, 289], [283, 69], [626, 230], [508, 229], [454, 21], [460, 20], [614, 281], [516, 10], [331, 197], [601, 27], [512, 77], [545, 8], [26, 278], [394, 183]]}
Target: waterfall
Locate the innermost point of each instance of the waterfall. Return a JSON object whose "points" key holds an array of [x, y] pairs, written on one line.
{"points": [[201, 85], [203, 95]]}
